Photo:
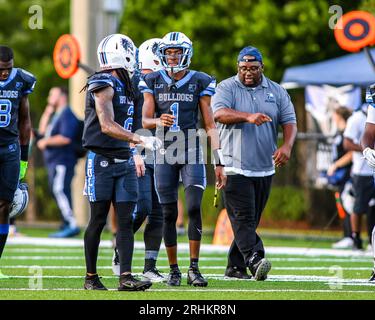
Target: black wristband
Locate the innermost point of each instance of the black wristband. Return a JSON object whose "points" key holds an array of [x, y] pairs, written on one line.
{"points": [[25, 152]]}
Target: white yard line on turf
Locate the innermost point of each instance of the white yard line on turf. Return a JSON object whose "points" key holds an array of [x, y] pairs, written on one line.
{"points": [[185, 247], [101, 257], [224, 258], [167, 267], [201, 290], [272, 278]]}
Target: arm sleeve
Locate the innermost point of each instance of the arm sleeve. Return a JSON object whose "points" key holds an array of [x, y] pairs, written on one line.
{"points": [[145, 85], [209, 86], [223, 98], [99, 84], [29, 82], [287, 113]]}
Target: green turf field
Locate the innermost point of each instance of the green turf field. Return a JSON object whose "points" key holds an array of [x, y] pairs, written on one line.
{"points": [[57, 272]]}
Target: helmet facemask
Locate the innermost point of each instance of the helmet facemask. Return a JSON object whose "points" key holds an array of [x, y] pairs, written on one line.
{"points": [[176, 40]]}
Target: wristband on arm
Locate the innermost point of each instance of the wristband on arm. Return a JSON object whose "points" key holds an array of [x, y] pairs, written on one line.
{"points": [[24, 161], [23, 168], [134, 151], [24, 152]]}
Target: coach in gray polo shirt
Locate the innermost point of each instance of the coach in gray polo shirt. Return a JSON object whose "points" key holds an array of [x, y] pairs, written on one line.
{"points": [[249, 107]]}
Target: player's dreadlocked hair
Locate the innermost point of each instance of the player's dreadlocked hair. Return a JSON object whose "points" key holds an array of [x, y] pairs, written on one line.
{"points": [[124, 77]]}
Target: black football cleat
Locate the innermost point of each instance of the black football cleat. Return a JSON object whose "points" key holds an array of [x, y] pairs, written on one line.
{"points": [[259, 267], [93, 283], [236, 272], [195, 278], [129, 283], [174, 278], [372, 278]]}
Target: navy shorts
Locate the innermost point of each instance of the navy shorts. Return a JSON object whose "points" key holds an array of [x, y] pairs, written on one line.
{"points": [[148, 202], [110, 179], [9, 170], [167, 178]]}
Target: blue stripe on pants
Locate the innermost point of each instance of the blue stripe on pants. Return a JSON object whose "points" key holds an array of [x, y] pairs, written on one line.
{"points": [[4, 228]]}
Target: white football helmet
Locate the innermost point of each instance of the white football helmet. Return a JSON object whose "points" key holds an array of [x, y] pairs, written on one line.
{"points": [[117, 51], [20, 201], [147, 55], [180, 41], [370, 94]]}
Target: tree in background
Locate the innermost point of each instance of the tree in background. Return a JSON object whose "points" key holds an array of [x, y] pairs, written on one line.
{"points": [[33, 51], [33, 47], [287, 32]]}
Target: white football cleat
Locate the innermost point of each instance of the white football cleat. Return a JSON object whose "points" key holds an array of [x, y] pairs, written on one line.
{"points": [[154, 276], [345, 243]]}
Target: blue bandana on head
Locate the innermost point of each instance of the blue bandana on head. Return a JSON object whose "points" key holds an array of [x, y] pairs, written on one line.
{"points": [[250, 51]]}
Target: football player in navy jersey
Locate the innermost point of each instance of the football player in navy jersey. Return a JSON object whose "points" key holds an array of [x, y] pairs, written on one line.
{"points": [[15, 129], [175, 95], [148, 207], [368, 145], [110, 169]]}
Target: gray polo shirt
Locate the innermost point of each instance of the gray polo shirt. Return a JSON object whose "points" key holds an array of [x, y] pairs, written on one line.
{"points": [[248, 149]]}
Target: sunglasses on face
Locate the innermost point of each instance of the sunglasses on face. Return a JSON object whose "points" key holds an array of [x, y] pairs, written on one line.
{"points": [[251, 69], [5, 70]]}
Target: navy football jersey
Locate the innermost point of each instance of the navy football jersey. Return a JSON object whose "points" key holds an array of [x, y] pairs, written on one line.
{"points": [[18, 84], [180, 99], [93, 139], [138, 103]]}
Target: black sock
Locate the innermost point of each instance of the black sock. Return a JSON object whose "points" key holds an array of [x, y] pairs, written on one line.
{"points": [[4, 230], [174, 267], [149, 264], [356, 235], [194, 263], [98, 219], [125, 235]]}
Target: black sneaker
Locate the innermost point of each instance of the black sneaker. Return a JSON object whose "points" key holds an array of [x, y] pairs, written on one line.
{"points": [[129, 283], [195, 278], [357, 243], [372, 278], [259, 267], [235, 272], [174, 278], [93, 283]]}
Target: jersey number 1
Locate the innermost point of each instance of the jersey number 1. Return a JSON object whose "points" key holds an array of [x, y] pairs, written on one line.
{"points": [[174, 108], [5, 109]]}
